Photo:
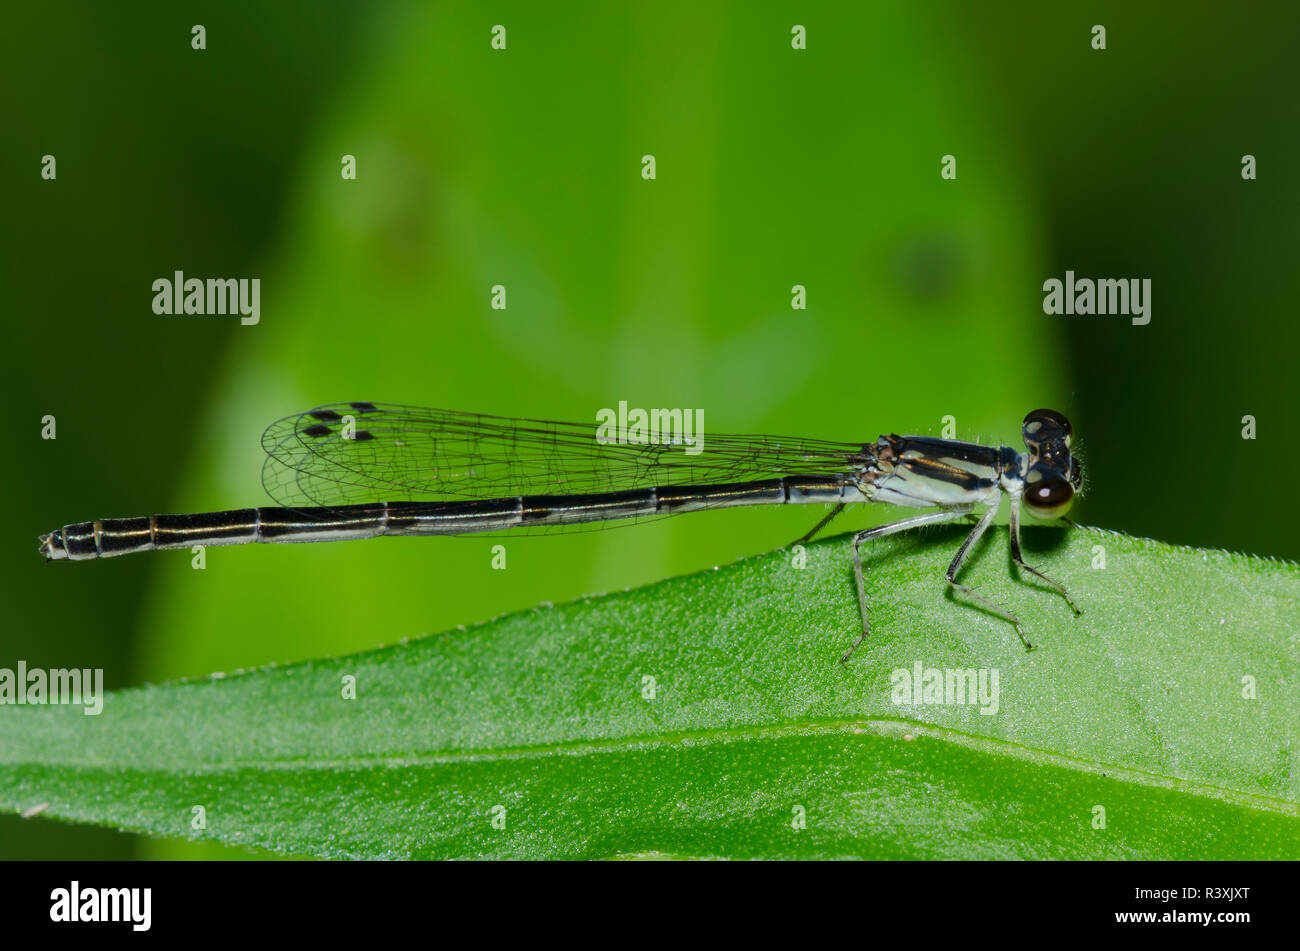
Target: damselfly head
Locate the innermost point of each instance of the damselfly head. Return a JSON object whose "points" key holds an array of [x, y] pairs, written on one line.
{"points": [[1053, 475]]}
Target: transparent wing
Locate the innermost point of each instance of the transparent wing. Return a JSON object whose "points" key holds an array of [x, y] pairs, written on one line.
{"points": [[346, 453]]}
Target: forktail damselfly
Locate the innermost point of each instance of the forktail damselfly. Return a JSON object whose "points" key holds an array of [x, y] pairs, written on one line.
{"points": [[449, 473]]}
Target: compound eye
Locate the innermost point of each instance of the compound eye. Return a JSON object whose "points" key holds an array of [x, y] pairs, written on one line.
{"points": [[1043, 425], [1048, 497]]}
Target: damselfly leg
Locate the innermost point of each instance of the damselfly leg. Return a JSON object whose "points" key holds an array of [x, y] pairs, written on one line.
{"points": [[1019, 560], [958, 559], [893, 528]]}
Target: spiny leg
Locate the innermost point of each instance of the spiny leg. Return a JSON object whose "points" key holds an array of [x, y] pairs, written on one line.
{"points": [[960, 557], [893, 528], [839, 507], [1015, 554]]}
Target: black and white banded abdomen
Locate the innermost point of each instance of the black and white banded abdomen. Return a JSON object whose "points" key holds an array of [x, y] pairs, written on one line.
{"points": [[106, 538]]}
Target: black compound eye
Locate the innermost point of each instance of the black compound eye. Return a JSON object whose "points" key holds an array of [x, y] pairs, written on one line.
{"points": [[1048, 497], [1044, 425]]}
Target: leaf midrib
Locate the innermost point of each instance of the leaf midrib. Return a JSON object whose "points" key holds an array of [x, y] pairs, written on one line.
{"points": [[897, 728]]}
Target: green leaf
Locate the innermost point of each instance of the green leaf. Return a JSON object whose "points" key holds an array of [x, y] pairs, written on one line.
{"points": [[1171, 704]]}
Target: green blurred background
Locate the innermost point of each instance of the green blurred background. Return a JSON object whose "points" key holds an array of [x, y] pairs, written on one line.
{"points": [[522, 168]]}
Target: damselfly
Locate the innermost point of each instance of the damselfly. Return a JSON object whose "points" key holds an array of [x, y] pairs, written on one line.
{"points": [[447, 473]]}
